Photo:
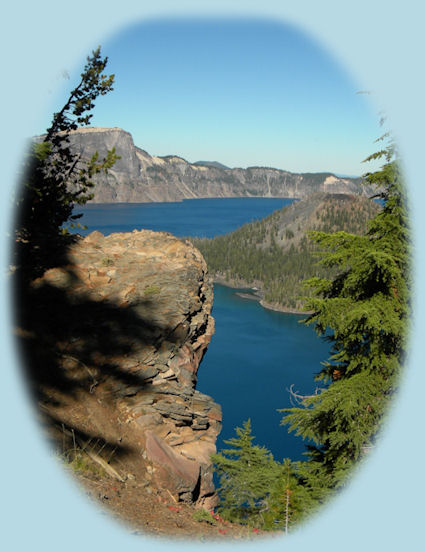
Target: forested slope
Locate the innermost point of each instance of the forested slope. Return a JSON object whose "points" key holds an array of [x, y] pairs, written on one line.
{"points": [[275, 254]]}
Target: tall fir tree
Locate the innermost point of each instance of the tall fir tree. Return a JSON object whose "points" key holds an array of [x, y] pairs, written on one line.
{"points": [[363, 312]]}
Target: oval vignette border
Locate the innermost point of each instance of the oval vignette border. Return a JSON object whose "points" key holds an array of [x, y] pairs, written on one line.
{"points": [[44, 510]]}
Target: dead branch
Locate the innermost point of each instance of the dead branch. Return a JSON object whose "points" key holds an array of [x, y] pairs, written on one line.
{"points": [[90, 373], [296, 398], [94, 456]]}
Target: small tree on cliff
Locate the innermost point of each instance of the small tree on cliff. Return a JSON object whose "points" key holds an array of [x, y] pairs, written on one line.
{"points": [[55, 178], [257, 490], [247, 473]]}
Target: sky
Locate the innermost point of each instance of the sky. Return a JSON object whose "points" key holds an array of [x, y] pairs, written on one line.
{"points": [[241, 92]]}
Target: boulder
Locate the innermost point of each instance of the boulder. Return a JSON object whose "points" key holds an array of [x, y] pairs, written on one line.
{"points": [[171, 470]]}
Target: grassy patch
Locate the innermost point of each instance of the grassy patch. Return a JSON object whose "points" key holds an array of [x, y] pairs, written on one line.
{"points": [[149, 291], [80, 463], [203, 515], [107, 261]]}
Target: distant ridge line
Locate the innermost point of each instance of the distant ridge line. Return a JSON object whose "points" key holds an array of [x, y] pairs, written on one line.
{"points": [[139, 177]]}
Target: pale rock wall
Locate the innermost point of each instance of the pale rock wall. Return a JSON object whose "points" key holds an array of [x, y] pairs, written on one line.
{"points": [[140, 177]]}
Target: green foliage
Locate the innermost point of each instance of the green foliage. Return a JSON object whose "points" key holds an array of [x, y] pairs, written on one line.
{"points": [[275, 255], [203, 515], [363, 312], [362, 309], [55, 179], [256, 490], [149, 291], [107, 261], [290, 502], [77, 460], [80, 463], [246, 473]]}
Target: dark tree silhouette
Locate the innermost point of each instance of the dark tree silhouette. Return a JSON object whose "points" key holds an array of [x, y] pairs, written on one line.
{"points": [[55, 178]]}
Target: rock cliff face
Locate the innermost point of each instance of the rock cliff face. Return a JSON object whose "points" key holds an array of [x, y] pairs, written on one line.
{"points": [[140, 177], [134, 312]]}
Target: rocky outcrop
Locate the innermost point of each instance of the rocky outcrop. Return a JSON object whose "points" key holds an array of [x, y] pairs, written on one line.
{"points": [[144, 305], [140, 177]]}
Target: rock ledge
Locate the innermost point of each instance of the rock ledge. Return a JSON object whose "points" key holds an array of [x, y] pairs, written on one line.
{"points": [[160, 285]]}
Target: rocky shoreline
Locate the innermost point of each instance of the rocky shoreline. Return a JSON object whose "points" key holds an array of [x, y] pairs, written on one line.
{"points": [[255, 295]]}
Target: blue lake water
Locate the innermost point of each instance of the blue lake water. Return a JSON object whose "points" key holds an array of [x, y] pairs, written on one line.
{"points": [[255, 354], [254, 357], [194, 217]]}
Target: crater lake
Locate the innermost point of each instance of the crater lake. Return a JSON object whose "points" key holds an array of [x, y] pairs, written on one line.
{"points": [[255, 354]]}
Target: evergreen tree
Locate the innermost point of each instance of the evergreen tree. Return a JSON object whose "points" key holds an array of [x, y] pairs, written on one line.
{"points": [[290, 501], [362, 309], [247, 473], [363, 312], [258, 491], [55, 178]]}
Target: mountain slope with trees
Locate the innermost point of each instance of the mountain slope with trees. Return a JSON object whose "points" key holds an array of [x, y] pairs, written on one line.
{"points": [[275, 254]]}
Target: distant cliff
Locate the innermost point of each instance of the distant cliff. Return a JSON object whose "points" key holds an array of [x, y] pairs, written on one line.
{"points": [[140, 177]]}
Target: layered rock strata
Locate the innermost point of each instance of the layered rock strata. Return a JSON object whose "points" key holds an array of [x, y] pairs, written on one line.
{"points": [[156, 298], [141, 177]]}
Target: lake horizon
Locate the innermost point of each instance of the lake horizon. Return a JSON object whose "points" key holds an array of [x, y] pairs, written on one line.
{"points": [[212, 217]]}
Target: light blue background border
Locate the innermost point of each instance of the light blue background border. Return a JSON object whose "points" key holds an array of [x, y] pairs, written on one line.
{"points": [[382, 47]]}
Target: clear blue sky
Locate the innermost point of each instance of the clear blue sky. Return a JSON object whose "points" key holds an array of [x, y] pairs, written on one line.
{"points": [[241, 92]]}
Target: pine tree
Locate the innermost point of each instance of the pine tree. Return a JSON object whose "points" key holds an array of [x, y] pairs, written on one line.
{"points": [[258, 491], [363, 312], [290, 501], [247, 474], [55, 178]]}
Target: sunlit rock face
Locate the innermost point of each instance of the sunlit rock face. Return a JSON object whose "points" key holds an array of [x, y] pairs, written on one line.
{"points": [[123, 325], [141, 177]]}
